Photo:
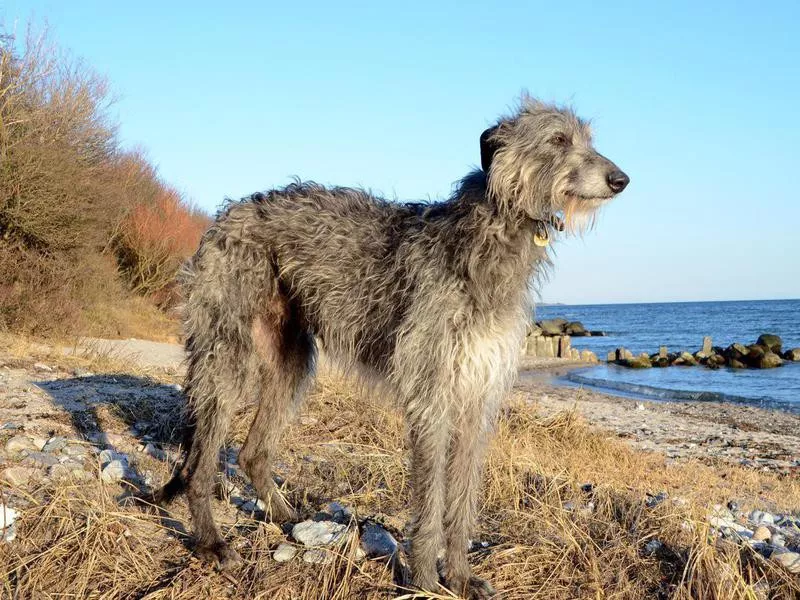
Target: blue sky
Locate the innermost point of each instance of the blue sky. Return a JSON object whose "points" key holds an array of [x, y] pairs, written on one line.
{"points": [[697, 102]]}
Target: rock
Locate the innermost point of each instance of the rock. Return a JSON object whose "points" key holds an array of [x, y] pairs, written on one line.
{"points": [[623, 354], [761, 534], [318, 533], [575, 354], [54, 444], [770, 360], [707, 346], [778, 540], [19, 476], [652, 547], [597, 333], [662, 352], [734, 363], [552, 327], [81, 372], [107, 456], [42, 367], [20, 443], [576, 329], [11, 426], [793, 355], [717, 359], [317, 556], [760, 517], [588, 356], [564, 348], [733, 506], [611, 356], [114, 471], [62, 472], [284, 553], [376, 541], [737, 351], [653, 501], [8, 530], [754, 355], [788, 560], [770, 342], [640, 362], [39, 459], [7, 516], [685, 360], [74, 450]]}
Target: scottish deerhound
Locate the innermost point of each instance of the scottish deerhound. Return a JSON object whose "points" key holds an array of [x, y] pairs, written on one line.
{"points": [[432, 299]]}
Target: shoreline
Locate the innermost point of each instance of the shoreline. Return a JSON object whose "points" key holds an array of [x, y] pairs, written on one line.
{"points": [[728, 432]]}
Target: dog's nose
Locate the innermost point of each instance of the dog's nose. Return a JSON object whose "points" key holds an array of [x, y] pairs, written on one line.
{"points": [[617, 180]]}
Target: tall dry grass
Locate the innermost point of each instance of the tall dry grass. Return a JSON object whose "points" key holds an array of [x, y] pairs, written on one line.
{"points": [[550, 536], [83, 223]]}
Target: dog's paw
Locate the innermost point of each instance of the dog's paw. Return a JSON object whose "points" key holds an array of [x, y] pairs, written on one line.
{"points": [[479, 589], [222, 556]]}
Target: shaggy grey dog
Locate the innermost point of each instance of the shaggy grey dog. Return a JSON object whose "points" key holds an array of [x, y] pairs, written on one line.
{"points": [[431, 300]]}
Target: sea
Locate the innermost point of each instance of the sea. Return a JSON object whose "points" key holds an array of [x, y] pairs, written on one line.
{"points": [[681, 326]]}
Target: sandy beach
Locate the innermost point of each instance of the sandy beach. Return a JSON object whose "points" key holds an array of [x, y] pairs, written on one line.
{"points": [[709, 431]]}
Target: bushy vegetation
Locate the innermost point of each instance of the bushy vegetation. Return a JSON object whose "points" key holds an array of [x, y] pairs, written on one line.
{"points": [[86, 228]]}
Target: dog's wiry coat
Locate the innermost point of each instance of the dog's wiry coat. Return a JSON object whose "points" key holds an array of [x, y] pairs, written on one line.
{"points": [[432, 299]]}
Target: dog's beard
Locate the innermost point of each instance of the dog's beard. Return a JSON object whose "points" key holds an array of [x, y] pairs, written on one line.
{"points": [[579, 214]]}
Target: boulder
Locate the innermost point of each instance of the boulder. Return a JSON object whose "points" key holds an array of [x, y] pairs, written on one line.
{"points": [[533, 330], [588, 356], [754, 355], [552, 326], [737, 351], [770, 341], [716, 359], [564, 347], [623, 354], [793, 354], [770, 360], [735, 363], [575, 328], [639, 362], [685, 359]]}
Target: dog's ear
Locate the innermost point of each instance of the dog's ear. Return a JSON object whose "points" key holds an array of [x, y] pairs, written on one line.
{"points": [[488, 148]]}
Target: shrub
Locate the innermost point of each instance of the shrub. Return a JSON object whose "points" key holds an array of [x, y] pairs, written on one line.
{"points": [[82, 223]]}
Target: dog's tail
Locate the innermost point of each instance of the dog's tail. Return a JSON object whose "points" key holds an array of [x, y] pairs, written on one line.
{"points": [[223, 286]]}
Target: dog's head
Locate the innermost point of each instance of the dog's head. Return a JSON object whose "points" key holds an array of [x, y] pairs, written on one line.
{"points": [[540, 163]]}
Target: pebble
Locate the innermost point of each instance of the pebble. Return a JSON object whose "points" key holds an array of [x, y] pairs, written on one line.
{"points": [[19, 476], [652, 547], [74, 450], [54, 444], [11, 426], [760, 517], [39, 459], [376, 541], [761, 534], [318, 533], [251, 506], [777, 540], [317, 556], [788, 560], [284, 553], [653, 501], [19, 443], [62, 472], [42, 367], [113, 471]]}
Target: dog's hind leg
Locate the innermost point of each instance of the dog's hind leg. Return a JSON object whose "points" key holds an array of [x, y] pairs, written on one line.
{"points": [[287, 352]]}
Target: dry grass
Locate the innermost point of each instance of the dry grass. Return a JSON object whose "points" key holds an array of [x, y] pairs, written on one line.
{"points": [[84, 224], [546, 540]]}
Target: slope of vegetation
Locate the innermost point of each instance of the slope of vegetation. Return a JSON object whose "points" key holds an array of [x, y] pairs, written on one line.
{"points": [[90, 235]]}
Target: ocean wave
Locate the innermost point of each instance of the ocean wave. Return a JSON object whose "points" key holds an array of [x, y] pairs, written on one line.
{"points": [[655, 393]]}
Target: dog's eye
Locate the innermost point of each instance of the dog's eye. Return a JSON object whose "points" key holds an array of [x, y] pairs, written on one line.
{"points": [[560, 139]]}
